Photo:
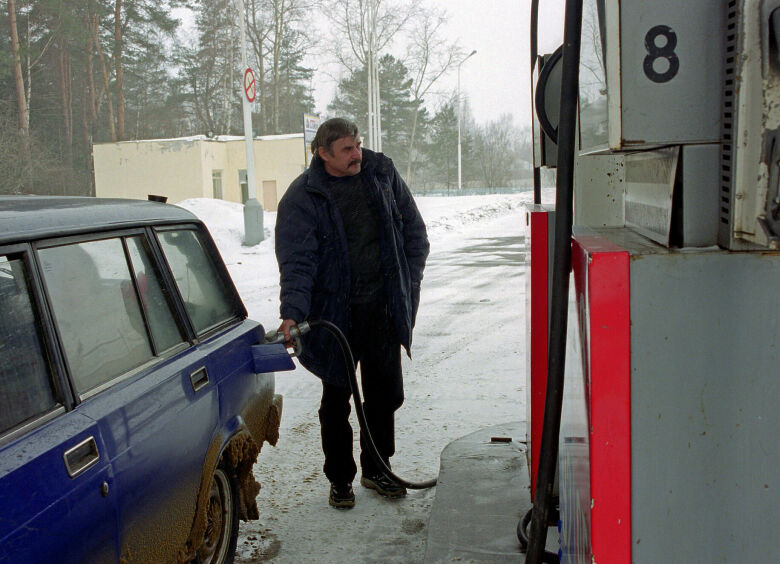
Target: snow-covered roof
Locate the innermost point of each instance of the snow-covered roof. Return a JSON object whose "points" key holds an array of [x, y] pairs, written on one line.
{"points": [[216, 138]]}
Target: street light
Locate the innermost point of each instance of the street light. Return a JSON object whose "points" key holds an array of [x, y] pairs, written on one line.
{"points": [[460, 187]]}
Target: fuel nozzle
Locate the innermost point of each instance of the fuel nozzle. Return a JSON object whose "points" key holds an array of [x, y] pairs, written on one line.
{"points": [[296, 331]]}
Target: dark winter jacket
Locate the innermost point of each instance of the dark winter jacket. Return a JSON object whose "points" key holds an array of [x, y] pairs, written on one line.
{"points": [[311, 249]]}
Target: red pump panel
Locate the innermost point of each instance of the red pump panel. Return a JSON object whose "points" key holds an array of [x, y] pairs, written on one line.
{"points": [[540, 221], [602, 283]]}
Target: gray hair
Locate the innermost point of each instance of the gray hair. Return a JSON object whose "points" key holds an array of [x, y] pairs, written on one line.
{"points": [[332, 130]]}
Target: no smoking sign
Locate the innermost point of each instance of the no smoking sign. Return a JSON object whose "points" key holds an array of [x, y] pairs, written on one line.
{"points": [[249, 85]]}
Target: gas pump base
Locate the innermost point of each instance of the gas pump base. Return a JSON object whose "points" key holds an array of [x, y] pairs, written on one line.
{"points": [[482, 493]]}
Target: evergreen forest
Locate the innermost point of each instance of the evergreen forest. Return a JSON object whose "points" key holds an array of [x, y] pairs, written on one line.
{"points": [[78, 72]]}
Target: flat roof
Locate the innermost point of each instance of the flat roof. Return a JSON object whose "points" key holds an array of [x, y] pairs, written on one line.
{"points": [[216, 138], [26, 218]]}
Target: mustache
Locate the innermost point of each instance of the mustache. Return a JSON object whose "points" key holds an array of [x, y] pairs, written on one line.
{"points": [[354, 162]]}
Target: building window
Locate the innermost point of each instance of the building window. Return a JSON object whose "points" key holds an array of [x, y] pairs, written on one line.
{"points": [[244, 183], [216, 183]]}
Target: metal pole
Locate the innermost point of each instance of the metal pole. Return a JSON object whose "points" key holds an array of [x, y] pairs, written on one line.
{"points": [[370, 79], [460, 186], [377, 109], [253, 211]]}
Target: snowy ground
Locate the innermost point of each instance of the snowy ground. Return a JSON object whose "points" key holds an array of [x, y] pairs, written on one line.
{"points": [[467, 372]]}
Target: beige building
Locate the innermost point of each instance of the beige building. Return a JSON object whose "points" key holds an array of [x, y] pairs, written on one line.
{"points": [[198, 167]]}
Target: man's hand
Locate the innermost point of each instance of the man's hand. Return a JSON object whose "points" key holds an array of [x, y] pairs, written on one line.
{"points": [[285, 328]]}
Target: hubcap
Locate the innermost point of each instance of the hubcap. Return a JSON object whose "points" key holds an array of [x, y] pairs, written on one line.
{"points": [[219, 520]]}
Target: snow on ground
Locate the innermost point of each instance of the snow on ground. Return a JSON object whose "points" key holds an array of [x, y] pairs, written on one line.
{"points": [[467, 372]]}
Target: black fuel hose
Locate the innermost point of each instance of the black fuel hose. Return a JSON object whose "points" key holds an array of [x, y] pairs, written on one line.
{"points": [[361, 416], [534, 51], [541, 93], [522, 535], [556, 358]]}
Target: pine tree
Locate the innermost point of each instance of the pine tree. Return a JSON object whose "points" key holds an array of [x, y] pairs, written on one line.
{"points": [[441, 148], [397, 106]]}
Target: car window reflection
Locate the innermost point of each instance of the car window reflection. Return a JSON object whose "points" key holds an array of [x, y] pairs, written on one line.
{"points": [[25, 378], [102, 331], [206, 299]]}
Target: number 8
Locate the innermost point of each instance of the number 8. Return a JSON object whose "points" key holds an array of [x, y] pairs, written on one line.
{"points": [[665, 52]]}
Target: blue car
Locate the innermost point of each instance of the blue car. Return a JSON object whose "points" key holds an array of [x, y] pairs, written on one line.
{"points": [[135, 395]]}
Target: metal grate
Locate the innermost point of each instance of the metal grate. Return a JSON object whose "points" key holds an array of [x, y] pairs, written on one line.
{"points": [[728, 121]]}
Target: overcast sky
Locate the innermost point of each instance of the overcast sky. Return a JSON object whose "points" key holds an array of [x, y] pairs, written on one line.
{"points": [[496, 79]]}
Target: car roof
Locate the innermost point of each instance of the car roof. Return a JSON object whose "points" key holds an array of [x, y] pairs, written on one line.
{"points": [[26, 218]]}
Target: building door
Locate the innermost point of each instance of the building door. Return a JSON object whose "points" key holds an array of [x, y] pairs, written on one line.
{"points": [[269, 195]]}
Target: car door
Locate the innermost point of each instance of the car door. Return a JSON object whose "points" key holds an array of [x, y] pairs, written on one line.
{"points": [[57, 494], [136, 372]]}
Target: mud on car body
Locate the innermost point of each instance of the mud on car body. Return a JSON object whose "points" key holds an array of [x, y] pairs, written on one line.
{"points": [[132, 407]]}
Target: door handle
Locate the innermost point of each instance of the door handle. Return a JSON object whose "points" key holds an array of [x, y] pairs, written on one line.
{"points": [[81, 457], [199, 378]]}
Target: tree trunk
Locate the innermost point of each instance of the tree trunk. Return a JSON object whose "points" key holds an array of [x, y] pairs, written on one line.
{"points": [[120, 97], [106, 80], [66, 95], [86, 127], [228, 93], [90, 83], [21, 98], [278, 32], [411, 142], [263, 93], [28, 64]]}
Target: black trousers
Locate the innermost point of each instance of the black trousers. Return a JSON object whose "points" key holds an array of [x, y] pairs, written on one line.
{"points": [[377, 351]]}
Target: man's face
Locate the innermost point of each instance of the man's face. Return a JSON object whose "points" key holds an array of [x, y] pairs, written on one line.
{"points": [[344, 157]]}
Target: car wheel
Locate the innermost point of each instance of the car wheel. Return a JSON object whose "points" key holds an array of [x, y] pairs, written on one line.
{"points": [[219, 540]]}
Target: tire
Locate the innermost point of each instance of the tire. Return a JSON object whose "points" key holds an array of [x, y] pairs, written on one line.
{"points": [[219, 540]]}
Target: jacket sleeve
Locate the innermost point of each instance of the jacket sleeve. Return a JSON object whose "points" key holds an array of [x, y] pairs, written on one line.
{"points": [[416, 246], [297, 248]]}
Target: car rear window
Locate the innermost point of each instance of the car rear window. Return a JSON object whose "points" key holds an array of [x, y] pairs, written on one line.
{"points": [[25, 376], [208, 301]]}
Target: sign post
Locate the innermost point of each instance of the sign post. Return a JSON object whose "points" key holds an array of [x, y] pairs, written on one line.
{"points": [[253, 211]]}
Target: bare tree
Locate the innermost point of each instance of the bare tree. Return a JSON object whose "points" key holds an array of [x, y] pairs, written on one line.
{"points": [[274, 31], [592, 82], [429, 58], [362, 30], [498, 149]]}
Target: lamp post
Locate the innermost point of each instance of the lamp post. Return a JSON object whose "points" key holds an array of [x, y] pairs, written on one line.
{"points": [[253, 210], [460, 187]]}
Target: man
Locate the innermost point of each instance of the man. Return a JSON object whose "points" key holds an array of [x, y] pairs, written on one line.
{"points": [[351, 247]]}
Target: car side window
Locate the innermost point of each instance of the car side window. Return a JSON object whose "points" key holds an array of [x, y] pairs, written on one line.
{"points": [[26, 389], [154, 297], [208, 302], [102, 329]]}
